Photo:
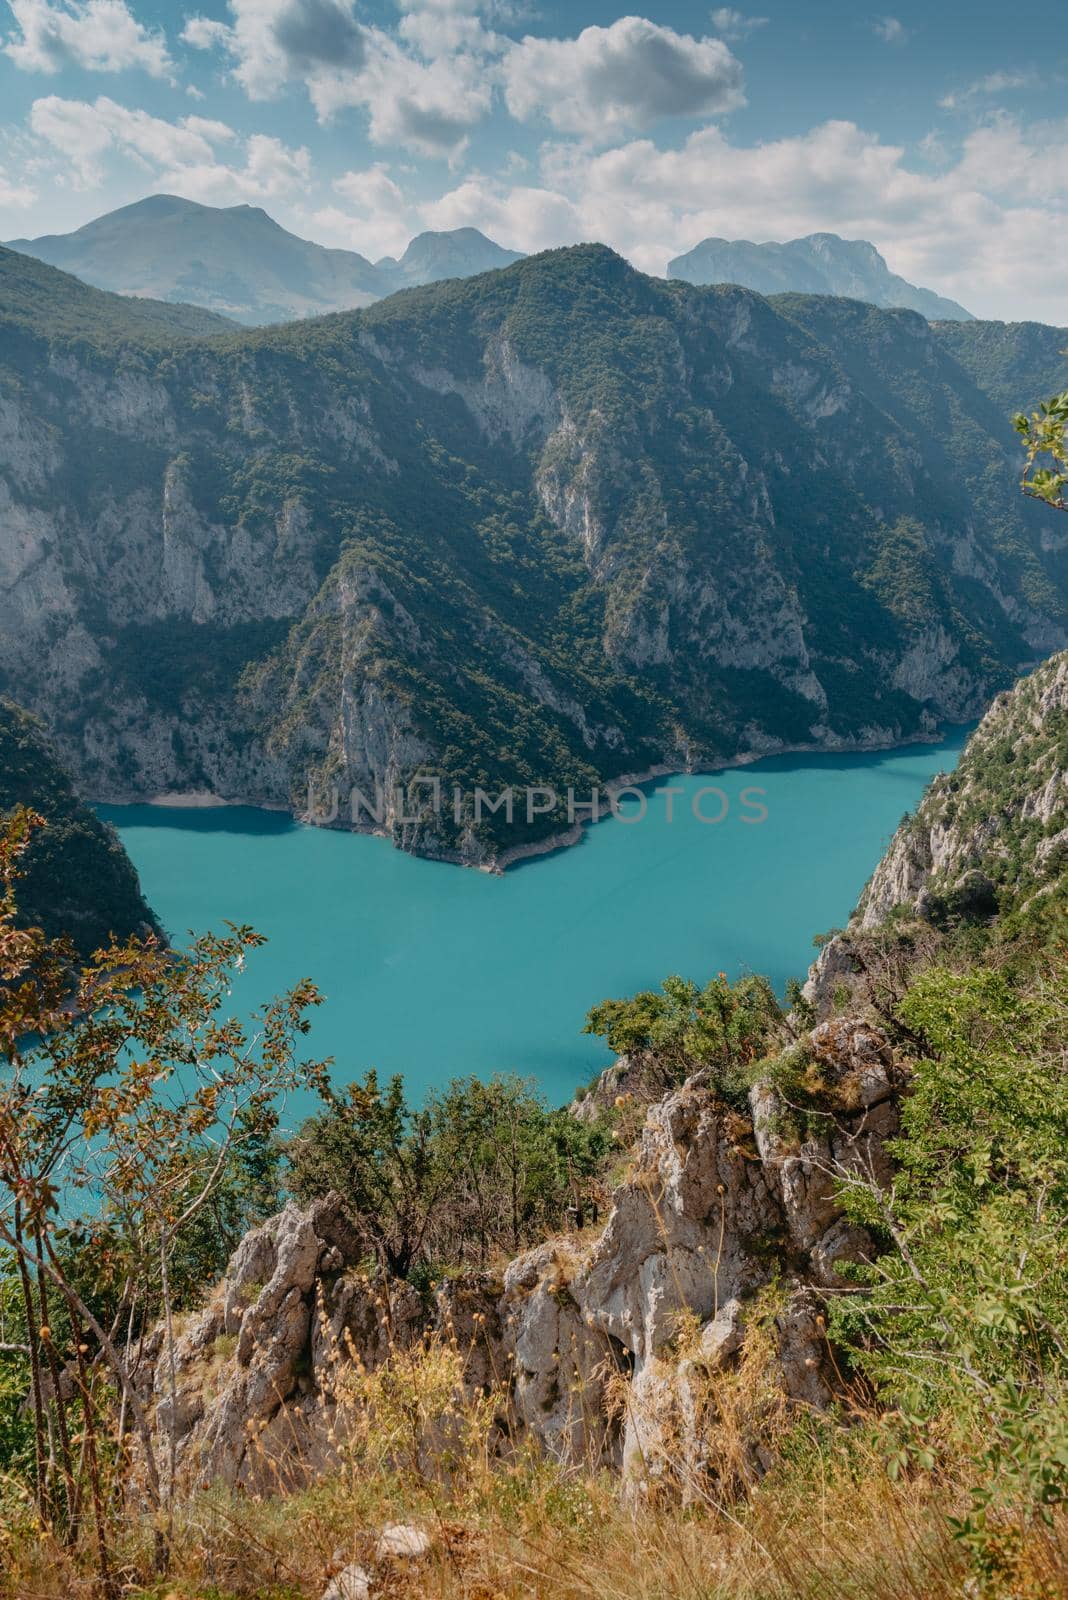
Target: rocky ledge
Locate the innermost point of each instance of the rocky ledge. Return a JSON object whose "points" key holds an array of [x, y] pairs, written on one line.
{"points": [[591, 1346]]}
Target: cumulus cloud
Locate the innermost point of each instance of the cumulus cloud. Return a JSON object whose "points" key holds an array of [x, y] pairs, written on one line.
{"points": [[442, 27], [426, 83], [96, 35], [980, 229], [520, 216], [424, 86], [625, 76], [276, 41], [205, 33], [181, 157], [429, 106], [734, 24], [891, 30], [375, 217]]}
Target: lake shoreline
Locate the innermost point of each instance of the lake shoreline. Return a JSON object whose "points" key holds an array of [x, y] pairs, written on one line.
{"points": [[565, 838], [437, 975], [637, 780]]}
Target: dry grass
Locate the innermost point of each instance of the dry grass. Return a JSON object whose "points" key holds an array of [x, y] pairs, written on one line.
{"points": [[848, 1534], [827, 1522]]}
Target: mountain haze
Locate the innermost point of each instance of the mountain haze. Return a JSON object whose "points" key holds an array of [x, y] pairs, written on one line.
{"points": [[549, 525], [239, 262], [461, 253], [822, 263], [35, 296]]}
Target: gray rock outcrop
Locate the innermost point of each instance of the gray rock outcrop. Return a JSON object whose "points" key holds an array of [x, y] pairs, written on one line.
{"points": [[604, 1351]]}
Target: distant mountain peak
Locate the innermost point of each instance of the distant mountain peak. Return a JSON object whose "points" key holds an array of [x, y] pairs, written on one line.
{"points": [[239, 261], [453, 253], [819, 263]]}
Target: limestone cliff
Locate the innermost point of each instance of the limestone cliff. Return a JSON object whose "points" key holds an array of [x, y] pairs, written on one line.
{"points": [[719, 1203], [986, 850], [546, 527]]}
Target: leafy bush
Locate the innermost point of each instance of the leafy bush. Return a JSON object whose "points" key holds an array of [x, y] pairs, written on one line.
{"points": [[723, 1028], [479, 1169]]}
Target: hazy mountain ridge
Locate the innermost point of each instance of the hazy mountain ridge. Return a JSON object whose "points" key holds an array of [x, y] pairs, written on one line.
{"points": [[821, 263], [239, 262], [40, 299], [459, 253], [550, 525]]}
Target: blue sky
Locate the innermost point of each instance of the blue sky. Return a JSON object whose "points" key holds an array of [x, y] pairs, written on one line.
{"points": [[937, 130]]}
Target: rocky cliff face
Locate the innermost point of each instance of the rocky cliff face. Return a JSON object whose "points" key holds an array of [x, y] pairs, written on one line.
{"points": [[548, 527], [987, 848], [599, 1349]]}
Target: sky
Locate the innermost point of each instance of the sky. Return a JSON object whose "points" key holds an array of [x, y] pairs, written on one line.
{"points": [[939, 130]]}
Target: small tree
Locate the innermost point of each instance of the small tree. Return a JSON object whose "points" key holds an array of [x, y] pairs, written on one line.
{"points": [[723, 1028], [1045, 437], [962, 1315], [380, 1154], [127, 1097], [480, 1168]]}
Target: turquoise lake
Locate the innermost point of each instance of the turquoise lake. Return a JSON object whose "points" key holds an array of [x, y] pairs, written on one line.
{"points": [[435, 971]]}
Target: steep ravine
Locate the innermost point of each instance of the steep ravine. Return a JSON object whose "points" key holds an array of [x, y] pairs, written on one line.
{"points": [[545, 527], [728, 1198]]}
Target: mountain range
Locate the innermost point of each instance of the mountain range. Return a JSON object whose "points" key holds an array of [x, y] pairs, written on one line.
{"points": [[551, 525], [239, 262], [822, 263]]}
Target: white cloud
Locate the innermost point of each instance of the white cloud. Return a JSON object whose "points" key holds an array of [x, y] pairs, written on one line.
{"points": [[442, 27], [275, 42], [891, 30], [424, 86], [734, 24], [983, 229], [96, 35], [370, 190], [377, 219], [522, 216], [205, 33], [180, 157], [426, 106], [994, 83], [625, 76], [16, 195]]}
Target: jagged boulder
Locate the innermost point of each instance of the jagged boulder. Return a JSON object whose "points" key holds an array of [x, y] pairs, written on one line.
{"points": [[562, 1365], [718, 1204], [804, 1156], [634, 1077], [606, 1351], [253, 1400]]}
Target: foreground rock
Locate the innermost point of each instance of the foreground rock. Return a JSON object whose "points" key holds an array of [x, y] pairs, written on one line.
{"points": [[606, 1353], [351, 1583]]}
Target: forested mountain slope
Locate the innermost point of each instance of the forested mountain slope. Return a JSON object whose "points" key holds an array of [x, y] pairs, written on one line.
{"points": [[546, 526], [38, 297], [79, 882], [981, 866]]}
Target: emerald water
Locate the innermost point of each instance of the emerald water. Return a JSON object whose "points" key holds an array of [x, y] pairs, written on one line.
{"points": [[435, 971]]}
